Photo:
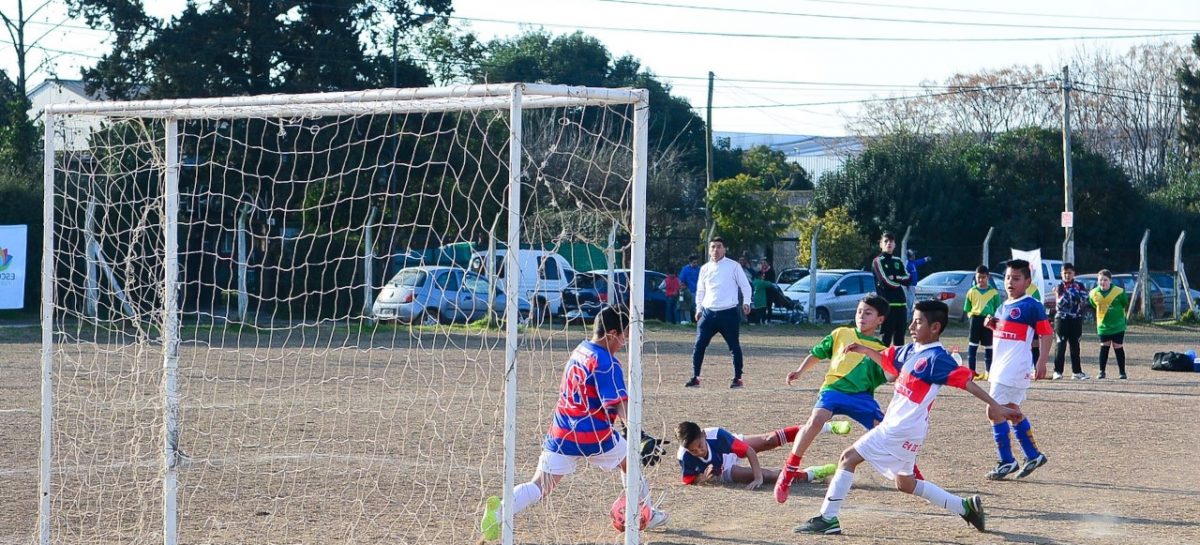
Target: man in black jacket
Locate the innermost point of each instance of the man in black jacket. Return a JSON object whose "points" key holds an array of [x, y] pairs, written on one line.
{"points": [[890, 279]]}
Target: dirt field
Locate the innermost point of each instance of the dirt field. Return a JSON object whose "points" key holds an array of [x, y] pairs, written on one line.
{"points": [[337, 437]]}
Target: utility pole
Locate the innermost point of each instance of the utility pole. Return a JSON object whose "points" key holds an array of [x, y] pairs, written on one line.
{"points": [[395, 52], [708, 152], [1068, 253]]}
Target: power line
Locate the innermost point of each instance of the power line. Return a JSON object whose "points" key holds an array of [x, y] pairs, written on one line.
{"points": [[956, 91], [885, 19], [994, 12], [817, 38]]}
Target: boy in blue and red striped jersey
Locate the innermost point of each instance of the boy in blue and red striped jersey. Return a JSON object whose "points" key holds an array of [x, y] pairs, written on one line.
{"points": [[920, 369], [1015, 325], [591, 398], [712, 454]]}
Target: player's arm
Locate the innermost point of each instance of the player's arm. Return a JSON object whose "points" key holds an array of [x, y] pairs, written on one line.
{"points": [[885, 359], [994, 410], [807, 364], [743, 284], [752, 458]]}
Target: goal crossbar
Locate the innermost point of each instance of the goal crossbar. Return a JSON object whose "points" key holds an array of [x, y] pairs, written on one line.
{"points": [[433, 99]]}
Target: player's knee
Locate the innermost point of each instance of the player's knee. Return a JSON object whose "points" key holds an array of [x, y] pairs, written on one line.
{"points": [[906, 483], [1118, 346]]}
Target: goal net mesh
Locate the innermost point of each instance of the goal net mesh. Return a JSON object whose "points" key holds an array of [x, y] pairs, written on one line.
{"points": [[341, 346]]}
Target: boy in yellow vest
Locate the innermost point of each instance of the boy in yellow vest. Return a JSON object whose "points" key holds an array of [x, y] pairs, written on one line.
{"points": [[1110, 303], [982, 301]]}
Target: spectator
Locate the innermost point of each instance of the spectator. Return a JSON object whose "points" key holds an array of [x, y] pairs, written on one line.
{"points": [[721, 287], [687, 303], [671, 290], [765, 270], [758, 300], [891, 277], [911, 265], [690, 273], [1071, 298]]}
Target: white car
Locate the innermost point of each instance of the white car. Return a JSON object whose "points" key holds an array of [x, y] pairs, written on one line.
{"points": [[838, 293]]}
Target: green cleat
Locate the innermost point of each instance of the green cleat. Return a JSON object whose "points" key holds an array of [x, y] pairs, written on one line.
{"points": [[821, 472], [818, 525], [974, 516], [840, 427], [490, 524]]}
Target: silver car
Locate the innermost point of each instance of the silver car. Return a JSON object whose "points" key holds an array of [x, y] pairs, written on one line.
{"points": [[951, 287], [838, 293], [439, 295]]}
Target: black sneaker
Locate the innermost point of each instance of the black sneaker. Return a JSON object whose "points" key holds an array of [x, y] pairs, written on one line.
{"points": [[1032, 465], [1003, 470], [694, 383], [736, 383], [1122, 377], [974, 516], [1100, 376], [818, 525]]}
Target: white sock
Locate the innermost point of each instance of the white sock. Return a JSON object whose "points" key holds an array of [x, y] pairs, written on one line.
{"points": [[826, 428], [524, 495], [839, 486], [645, 494], [935, 495]]}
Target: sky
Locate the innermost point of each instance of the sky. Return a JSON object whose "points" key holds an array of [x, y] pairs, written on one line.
{"points": [[778, 63]]}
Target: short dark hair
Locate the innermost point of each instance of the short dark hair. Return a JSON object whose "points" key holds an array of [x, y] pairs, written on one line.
{"points": [[1019, 265], [1068, 266], [693, 257], [686, 432], [1106, 273], [982, 269], [717, 239], [876, 302], [887, 235], [935, 311], [610, 319]]}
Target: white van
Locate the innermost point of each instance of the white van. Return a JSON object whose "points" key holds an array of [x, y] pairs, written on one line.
{"points": [[544, 274]]}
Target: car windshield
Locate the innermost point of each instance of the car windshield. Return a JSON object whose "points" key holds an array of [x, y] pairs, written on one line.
{"points": [[590, 282], [943, 279], [409, 278], [825, 282]]}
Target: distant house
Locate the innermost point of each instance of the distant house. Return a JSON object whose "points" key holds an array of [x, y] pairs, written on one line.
{"points": [[817, 154], [74, 133]]}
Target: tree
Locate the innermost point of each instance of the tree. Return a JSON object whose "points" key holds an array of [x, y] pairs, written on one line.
{"points": [[773, 168], [746, 216], [18, 136], [235, 47], [1189, 93], [842, 243]]}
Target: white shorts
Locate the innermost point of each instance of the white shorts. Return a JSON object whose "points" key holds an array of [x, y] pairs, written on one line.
{"points": [[1005, 394], [727, 463], [553, 463], [890, 456]]}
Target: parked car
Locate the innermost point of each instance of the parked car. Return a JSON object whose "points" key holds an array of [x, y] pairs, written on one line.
{"points": [[588, 293], [543, 276], [1166, 282], [1158, 306], [951, 287], [439, 295], [790, 276], [838, 292]]}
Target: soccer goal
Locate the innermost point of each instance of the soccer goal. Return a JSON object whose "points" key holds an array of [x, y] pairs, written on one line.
{"points": [[326, 318]]}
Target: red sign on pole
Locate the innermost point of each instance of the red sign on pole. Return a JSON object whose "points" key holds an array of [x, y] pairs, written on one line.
{"points": [[1068, 219]]}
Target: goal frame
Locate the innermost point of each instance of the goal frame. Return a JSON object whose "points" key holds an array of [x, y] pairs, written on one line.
{"points": [[515, 97]]}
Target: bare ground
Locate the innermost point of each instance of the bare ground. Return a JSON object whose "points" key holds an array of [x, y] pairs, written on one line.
{"points": [[339, 436]]}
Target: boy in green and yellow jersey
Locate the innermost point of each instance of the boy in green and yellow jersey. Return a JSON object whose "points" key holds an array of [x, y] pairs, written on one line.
{"points": [[849, 386], [982, 301], [1110, 303]]}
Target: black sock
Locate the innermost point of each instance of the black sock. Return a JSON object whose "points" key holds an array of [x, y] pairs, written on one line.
{"points": [[972, 351], [1103, 357], [1120, 359], [987, 359]]}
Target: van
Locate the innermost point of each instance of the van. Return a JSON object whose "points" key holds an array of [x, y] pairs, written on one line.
{"points": [[543, 276]]}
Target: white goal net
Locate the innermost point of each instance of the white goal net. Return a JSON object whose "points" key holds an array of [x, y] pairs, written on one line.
{"points": [[290, 319]]}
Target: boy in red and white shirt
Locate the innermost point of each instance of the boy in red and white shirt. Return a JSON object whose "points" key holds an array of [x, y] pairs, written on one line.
{"points": [[922, 367]]}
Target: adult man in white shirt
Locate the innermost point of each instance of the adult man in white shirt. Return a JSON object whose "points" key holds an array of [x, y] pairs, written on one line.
{"points": [[719, 310]]}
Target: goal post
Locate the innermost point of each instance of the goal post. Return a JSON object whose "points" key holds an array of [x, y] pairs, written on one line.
{"points": [[285, 318]]}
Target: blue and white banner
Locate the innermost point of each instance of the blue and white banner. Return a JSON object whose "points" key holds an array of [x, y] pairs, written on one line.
{"points": [[13, 257]]}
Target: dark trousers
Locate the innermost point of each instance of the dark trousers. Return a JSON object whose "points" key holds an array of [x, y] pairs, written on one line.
{"points": [[672, 310], [726, 322], [892, 331], [1067, 332]]}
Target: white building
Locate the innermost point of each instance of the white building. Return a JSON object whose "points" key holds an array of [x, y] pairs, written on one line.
{"points": [[75, 132]]}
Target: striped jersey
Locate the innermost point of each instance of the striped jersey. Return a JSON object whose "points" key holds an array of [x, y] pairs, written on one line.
{"points": [[849, 372], [922, 370], [720, 443], [1110, 309], [1017, 321], [981, 302], [593, 384]]}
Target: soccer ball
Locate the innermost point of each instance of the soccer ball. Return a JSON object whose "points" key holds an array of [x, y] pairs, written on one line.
{"points": [[618, 514]]}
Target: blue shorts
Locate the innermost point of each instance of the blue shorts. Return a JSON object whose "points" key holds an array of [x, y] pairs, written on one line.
{"points": [[861, 407]]}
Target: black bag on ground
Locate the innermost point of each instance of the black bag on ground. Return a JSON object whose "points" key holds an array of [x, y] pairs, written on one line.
{"points": [[1171, 361]]}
